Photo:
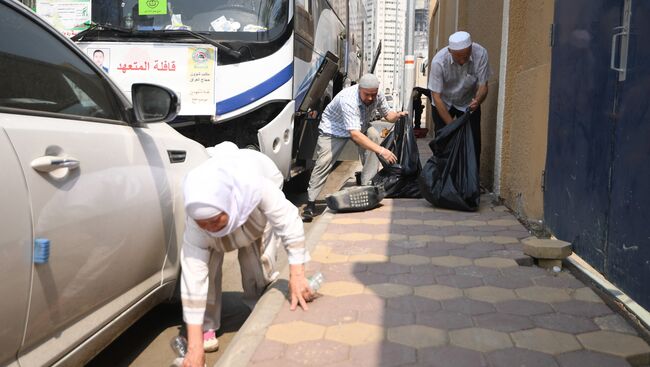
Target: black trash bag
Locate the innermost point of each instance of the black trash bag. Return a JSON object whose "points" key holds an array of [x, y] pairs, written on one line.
{"points": [[355, 199], [450, 177], [400, 180]]}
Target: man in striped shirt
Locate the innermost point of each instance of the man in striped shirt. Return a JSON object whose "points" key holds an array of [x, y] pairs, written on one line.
{"points": [[347, 117]]}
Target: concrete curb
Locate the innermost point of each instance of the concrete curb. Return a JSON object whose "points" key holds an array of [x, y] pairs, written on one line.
{"points": [[252, 333]]}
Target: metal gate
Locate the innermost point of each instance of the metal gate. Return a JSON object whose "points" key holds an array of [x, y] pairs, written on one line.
{"points": [[597, 182]]}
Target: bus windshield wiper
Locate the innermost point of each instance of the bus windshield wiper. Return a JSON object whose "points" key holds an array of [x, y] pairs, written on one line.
{"points": [[100, 27], [218, 45]]}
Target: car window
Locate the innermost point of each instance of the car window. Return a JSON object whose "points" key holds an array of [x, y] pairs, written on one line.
{"points": [[40, 73]]}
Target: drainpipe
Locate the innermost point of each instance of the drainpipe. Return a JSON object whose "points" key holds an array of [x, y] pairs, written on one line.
{"points": [[503, 72]]}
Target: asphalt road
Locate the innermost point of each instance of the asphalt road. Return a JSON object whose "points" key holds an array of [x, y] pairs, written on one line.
{"points": [[146, 343]]}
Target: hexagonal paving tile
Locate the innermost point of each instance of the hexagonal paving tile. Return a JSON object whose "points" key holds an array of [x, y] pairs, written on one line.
{"points": [[417, 336], [382, 354], [355, 333], [438, 292], [376, 221], [446, 320], [317, 352], [503, 222], [413, 304], [546, 341], [503, 322], [438, 223], [388, 268], [634, 349], [520, 357], [500, 239], [467, 306], [586, 294], [478, 271], [406, 244], [413, 279], [368, 258], [582, 308], [295, 332], [469, 254], [360, 302], [410, 259], [459, 281], [268, 350], [495, 262], [543, 294], [389, 290], [390, 237], [450, 356], [330, 316], [584, 358], [462, 239], [562, 280], [407, 222], [565, 323], [345, 221], [482, 340], [490, 294], [324, 255], [450, 261], [339, 289], [387, 318], [614, 322], [507, 282], [354, 236], [523, 307]]}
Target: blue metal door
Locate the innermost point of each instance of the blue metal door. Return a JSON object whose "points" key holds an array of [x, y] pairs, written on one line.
{"points": [[628, 242], [597, 175], [580, 125]]}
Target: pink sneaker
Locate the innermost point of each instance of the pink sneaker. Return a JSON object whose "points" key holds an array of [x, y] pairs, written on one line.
{"points": [[210, 341]]}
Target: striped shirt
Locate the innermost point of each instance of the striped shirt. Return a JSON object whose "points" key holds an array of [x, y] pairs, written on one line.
{"points": [[457, 84], [347, 112]]}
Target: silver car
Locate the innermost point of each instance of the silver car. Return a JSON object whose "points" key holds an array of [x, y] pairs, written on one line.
{"points": [[91, 213]]}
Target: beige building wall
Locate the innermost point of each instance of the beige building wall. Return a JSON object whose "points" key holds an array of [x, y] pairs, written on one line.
{"points": [[483, 19], [522, 132], [526, 104]]}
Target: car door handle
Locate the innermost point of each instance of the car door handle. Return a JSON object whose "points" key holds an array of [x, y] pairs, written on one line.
{"points": [[50, 163], [176, 156]]}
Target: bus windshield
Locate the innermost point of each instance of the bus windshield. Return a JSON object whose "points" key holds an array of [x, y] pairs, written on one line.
{"points": [[233, 19]]}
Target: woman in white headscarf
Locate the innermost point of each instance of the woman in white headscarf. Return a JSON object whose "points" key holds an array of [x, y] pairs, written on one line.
{"points": [[229, 200]]}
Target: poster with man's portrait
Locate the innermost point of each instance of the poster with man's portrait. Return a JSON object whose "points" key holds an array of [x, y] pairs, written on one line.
{"points": [[101, 57]]}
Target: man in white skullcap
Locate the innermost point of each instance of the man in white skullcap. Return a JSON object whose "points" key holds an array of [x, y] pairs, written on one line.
{"points": [[347, 117], [458, 81]]}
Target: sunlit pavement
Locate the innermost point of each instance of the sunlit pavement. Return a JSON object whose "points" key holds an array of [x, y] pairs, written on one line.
{"points": [[409, 284]]}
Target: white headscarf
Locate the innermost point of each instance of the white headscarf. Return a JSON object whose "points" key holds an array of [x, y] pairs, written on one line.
{"points": [[219, 185]]}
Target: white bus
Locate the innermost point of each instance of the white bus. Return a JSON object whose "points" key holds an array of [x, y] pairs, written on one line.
{"points": [[254, 72]]}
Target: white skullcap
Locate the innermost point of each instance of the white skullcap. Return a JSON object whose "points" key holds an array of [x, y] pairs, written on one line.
{"points": [[460, 41], [369, 81], [198, 211]]}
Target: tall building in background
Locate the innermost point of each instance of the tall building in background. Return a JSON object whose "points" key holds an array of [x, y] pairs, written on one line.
{"points": [[421, 35], [386, 22]]}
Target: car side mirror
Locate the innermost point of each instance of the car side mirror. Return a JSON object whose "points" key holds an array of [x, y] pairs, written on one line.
{"points": [[154, 103]]}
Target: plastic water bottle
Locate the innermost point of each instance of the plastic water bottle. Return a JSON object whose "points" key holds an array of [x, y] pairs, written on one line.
{"points": [[316, 281], [179, 346]]}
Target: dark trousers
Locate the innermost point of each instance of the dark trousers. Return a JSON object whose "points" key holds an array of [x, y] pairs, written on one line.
{"points": [[475, 124]]}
